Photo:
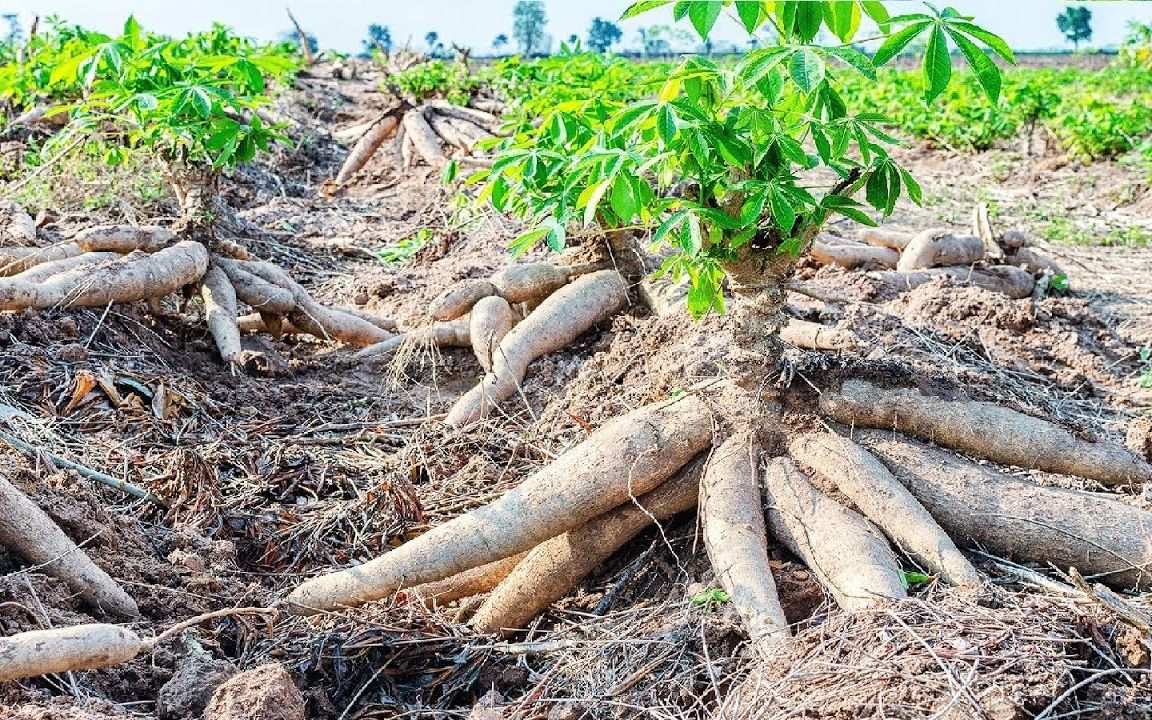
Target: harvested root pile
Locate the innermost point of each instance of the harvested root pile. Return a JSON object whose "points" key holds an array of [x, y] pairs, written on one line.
{"points": [[435, 132], [900, 494], [509, 320], [114, 264], [903, 259]]}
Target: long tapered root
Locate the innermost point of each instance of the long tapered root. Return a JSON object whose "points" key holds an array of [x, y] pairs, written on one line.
{"points": [[124, 239], [940, 248], [466, 584], [848, 554], [814, 336], [885, 501], [559, 320], [447, 334], [853, 255], [28, 531], [735, 537], [80, 647], [626, 458], [986, 430], [220, 313], [491, 319], [553, 568], [1089, 531], [16, 260], [1005, 279], [124, 280], [311, 317], [367, 145]]}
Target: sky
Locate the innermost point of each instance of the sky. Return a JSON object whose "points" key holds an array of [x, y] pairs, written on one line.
{"points": [[340, 24]]}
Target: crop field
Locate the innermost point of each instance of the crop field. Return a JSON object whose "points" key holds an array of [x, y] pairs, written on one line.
{"points": [[810, 381]]}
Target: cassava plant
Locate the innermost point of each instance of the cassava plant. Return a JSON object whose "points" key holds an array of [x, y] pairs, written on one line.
{"points": [[737, 169], [193, 104]]}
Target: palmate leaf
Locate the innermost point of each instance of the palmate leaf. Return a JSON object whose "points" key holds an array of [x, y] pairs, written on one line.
{"points": [[751, 13], [643, 6], [703, 14]]}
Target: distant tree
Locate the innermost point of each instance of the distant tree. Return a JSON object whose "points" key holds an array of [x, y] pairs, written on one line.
{"points": [[1076, 24], [15, 32], [292, 37], [603, 34], [500, 42], [432, 38], [663, 40], [572, 39], [528, 22], [379, 38]]}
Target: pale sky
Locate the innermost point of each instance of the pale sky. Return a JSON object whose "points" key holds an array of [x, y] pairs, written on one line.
{"points": [[340, 24]]}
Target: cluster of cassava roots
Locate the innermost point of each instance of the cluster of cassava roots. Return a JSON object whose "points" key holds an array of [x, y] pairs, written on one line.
{"points": [[895, 457], [1004, 263]]}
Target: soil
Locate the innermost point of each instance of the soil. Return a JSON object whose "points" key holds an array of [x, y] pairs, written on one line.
{"points": [[313, 462]]}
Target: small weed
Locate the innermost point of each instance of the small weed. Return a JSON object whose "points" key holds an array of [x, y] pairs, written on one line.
{"points": [[1145, 379], [711, 600], [908, 579], [402, 250]]}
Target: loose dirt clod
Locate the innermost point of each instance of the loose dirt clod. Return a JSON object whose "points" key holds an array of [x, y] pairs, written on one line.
{"points": [[990, 431], [264, 693], [625, 458]]}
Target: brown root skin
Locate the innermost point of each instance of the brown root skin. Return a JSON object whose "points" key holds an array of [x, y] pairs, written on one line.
{"points": [[17, 227], [126, 280], [67, 266], [449, 334], [315, 319], [491, 319], [998, 434], [261, 295], [484, 120], [560, 319], [423, 138], [626, 458], [220, 313], [555, 567], [1034, 261], [379, 321], [1018, 519], [848, 554], [532, 281], [124, 239], [28, 531], [735, 537], [464, 585], [1013, 282], [940, 248], [853, 256], [982, 228], [80, 647], [886, 502], [887, 238], [16, 260], [814, 336], [367, 146], [457, 300]]}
